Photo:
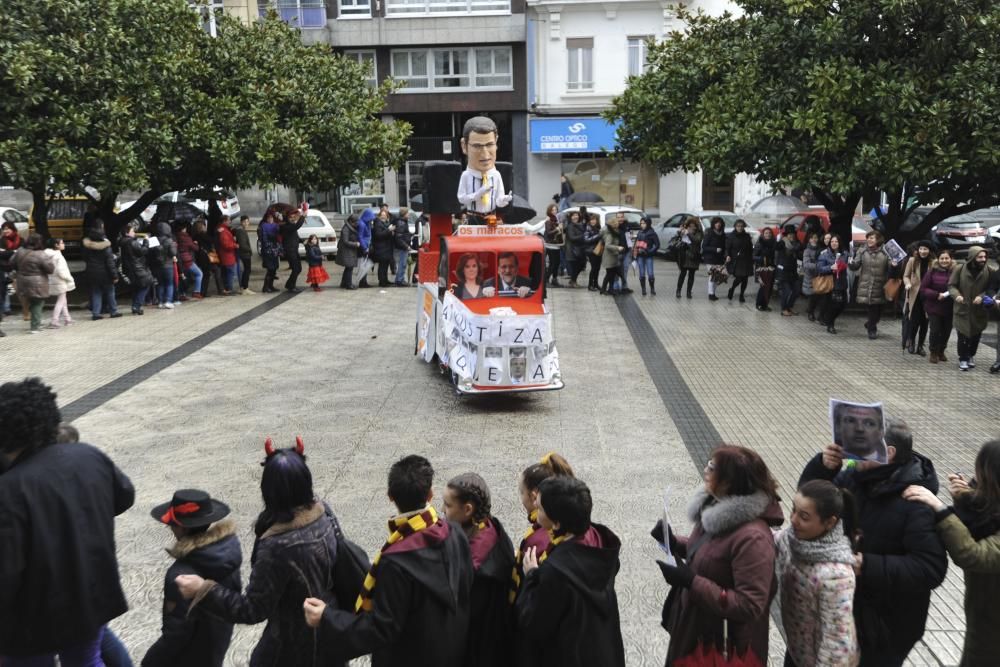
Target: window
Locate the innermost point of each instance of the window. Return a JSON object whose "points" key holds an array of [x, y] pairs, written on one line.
{"points": [[366, 58], [439, 7], [451, 69], [355, 9], [637, 55], [411, 68], [208, 9], [581, 63], [493, 68], [299, 13], [454, 69]]}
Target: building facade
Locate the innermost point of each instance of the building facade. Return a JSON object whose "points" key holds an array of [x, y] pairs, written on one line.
{"points": [[580, 56], [455, 58]]}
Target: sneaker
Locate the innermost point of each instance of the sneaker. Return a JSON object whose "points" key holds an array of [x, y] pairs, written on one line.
{"points": [[168, 306], [972, 362], [963, 365], [198, 296], [97, 317], [248, 291], [34, 331], [52, 325], [160, 306], [114, 315]]}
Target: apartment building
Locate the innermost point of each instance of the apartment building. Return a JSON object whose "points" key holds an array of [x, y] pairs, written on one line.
{"points": [[580, 55]]}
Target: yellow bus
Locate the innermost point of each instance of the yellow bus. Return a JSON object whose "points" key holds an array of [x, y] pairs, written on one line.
{"points": [[65, 220]]}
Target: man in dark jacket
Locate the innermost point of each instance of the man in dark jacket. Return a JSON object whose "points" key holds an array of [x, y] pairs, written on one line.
{"points": [[102, 272], [901, 559], [414, 608], [291, 242], [567, 611], [383, 232], [245, 251], [59, 581], [136, 267], [207, 546], [401, 239], [786, 263]]}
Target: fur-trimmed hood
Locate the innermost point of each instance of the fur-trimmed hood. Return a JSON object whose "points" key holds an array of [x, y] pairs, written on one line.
{"points": [[214, 554], [189, 543], [302, 518], [719, 516]]}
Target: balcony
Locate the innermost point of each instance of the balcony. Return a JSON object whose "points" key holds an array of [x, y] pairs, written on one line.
{"points": [[298, 13]]}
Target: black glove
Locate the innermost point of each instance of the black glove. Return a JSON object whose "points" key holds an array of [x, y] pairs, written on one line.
{"points": [[657, 534], [677, 575]]}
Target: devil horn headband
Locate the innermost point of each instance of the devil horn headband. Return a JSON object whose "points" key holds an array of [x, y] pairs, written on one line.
{"points": [[269, 447], [299, 446]]}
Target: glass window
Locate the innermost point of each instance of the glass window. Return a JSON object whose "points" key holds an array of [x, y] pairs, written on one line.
{"points": [[637, 55], [418, 7], [355, 8], [618, 182], [410, 67], [299, 13], [493, 67], [366, 58], [451, 69], [208, 12], [581, 63]]}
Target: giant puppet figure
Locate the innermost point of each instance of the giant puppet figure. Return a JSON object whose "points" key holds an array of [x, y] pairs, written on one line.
{"points": [[480, 189]]}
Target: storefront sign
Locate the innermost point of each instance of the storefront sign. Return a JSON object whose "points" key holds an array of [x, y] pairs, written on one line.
{"points": [[486, 230], [572, 135]]}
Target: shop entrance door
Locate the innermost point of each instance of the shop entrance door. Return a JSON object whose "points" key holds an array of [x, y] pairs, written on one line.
{"points": [[716, 195]]}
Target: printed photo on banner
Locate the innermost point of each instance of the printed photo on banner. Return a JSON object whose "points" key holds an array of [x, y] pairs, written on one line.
{"points": [[859, 428], [894, 251]]}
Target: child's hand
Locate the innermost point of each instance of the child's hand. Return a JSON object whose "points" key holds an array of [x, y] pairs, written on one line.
{"points": [[313, 608], [530, 561]]}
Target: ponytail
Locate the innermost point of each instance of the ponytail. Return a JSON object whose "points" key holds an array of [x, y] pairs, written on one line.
{"points": [[551, 465], [830, 501]]}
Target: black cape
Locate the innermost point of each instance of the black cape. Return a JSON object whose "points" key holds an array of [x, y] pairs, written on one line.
{"points": [[491, 624], [420, 613], [567, 612]]}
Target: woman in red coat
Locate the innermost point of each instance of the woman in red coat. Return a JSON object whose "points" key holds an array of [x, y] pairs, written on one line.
{"points": [[227, 250], [725, 569]]}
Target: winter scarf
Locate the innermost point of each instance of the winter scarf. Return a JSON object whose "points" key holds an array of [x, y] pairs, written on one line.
{"points": [[723, 515], [833, 547], [515, 576], [400, 528]]}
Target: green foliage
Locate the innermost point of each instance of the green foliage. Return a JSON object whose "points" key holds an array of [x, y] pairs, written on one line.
{"points": [[121, 95], [842, 98]]}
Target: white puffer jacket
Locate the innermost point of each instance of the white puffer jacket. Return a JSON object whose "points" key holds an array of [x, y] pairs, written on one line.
{"points": [[61, 280]]}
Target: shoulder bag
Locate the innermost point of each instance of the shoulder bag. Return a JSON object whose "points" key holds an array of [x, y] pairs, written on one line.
{"points": [[822, 284], [350, 568]]}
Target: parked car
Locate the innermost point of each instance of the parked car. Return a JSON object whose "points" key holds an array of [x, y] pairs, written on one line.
{"points": [[317, 223], [859, 226], [668, 229], [605, 212], [957, 233], [229, 204], [19, 218]]}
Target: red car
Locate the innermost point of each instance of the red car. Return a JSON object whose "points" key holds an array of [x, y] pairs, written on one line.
{"points": [[858, 226]]}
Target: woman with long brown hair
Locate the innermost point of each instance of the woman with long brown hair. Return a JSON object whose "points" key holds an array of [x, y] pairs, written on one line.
{"points": [[970, 531], [723, 582]]}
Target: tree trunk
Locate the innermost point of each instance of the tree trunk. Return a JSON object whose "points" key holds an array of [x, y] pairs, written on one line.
{"points": [[40, 210], [841, 208], [214, 217], [114, 221]]}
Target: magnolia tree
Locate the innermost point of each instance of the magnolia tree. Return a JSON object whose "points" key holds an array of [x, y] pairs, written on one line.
{"points": [[845, 99], [112, 95]]}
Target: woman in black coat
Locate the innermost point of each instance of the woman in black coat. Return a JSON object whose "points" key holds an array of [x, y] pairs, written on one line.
{"points": [[713, 253], [290, 241], [203, 257], [576, 247], [739, 258], [382, 235], [763, 262], [102, 271], [134, 265]]}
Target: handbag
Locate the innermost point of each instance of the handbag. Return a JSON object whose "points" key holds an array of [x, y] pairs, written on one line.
{"points": [[822, 284], [598, 249], [350, 568], [891, 289], [213, 257]]}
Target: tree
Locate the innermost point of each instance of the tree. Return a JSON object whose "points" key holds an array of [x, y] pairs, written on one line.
{"points": [[115, 95], [841, 98]]}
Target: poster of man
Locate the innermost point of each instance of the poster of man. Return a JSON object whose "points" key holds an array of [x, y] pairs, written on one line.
{"points": [[859, 428]]}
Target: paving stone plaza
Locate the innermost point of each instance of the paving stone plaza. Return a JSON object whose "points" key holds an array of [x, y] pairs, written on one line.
{"points": [[186, 397]]}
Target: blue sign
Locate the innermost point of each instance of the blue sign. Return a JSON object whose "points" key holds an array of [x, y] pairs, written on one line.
{"points": [[572, 135]]}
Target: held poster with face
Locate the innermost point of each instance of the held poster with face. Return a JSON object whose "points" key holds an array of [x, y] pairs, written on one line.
{"points": [[860, 429]]}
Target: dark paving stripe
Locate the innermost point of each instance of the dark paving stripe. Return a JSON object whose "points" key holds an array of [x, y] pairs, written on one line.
{"points": [[696, 429], [123, 383]]}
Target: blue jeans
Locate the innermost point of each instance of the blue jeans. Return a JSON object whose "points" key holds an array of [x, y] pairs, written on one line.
{"points": [[194, 273], [139, 297], [626, 263], [231, 275], [84, 654], [113, 652], [165, 290], [101, 295], [401, 256], [645, 266]]}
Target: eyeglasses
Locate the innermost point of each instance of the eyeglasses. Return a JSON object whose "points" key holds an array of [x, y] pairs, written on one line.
{"points": [[492, 146]]}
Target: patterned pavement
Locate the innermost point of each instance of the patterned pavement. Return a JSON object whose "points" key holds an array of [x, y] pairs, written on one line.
{"points": [[338, 368]]}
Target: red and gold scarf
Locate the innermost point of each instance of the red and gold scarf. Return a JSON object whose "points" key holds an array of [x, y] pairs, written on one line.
{"points": [[400, 528]]}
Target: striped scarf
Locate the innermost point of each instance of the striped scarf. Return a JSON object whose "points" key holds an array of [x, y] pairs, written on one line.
{"points": [[515, 575], [399, 529]]}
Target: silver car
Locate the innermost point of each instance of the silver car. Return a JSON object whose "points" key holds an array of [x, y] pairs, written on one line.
{"points": [[668, 229]]}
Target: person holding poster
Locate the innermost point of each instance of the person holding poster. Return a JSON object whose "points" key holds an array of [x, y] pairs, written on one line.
{"points": [[901, 559]]}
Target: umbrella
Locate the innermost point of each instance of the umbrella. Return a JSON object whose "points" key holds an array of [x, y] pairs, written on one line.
{"points": [[712, 657], [778, 205], [585, 198]]}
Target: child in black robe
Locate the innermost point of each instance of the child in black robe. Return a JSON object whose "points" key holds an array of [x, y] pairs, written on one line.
{"points": [[414, 606], [567, 610], [467, 503]]}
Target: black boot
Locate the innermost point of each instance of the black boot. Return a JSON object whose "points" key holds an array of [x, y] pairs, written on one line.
{"points": [[731, 292], [642, 283], [652, 286]]}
